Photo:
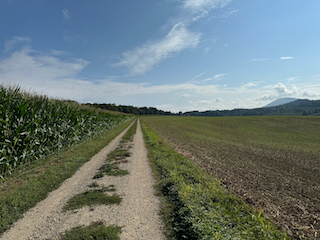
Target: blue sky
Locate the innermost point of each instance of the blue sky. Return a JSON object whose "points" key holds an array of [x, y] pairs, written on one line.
{"points": [[176, 55]]}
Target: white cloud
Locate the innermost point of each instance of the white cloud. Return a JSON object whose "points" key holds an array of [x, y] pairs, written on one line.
{"points": [[186, 95], [9, 44], [206, 50], [292, 79], [216, 77], [203, 7], [310, 93], [201, 74], [281, 88], [29, 66], [203, 105], [285, 58], [65, 13], [250, 84], [142, 59], [259, 59], [48, 74]]}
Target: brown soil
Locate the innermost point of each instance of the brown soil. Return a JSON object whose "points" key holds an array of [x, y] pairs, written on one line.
{"points": [[284, 185]]}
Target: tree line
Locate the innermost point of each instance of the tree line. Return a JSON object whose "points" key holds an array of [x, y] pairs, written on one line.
{"points": [[130, 109]]}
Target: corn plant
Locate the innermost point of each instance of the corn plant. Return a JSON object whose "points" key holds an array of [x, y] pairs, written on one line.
{"points": [[32, 126]]}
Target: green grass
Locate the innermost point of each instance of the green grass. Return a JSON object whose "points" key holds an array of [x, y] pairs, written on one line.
{"points": [[118, 153], [91, 198], [93, 185], [112, 170], [129, 134], [202, 208], [94, 231], [98, 175], [293, 133], [17, 195]]}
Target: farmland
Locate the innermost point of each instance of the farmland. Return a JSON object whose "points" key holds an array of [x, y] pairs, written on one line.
{"points": [[32, 126], [272, 163]]}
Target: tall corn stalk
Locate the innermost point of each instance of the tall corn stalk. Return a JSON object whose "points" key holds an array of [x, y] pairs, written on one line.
{"points": [[33, 125]]}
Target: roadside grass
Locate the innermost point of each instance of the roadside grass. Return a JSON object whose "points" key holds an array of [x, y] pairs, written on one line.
{"points": [[271, 162], [96, 230], [24, 189], [92, 198], [199, 207]]}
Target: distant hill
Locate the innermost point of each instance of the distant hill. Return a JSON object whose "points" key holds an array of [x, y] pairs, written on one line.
{"points": [[297, 107], [281, 101]]}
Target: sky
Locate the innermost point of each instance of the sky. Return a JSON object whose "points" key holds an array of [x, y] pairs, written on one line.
{"points": [[175, 55]]}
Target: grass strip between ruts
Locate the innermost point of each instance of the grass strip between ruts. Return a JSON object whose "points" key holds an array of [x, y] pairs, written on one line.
{"points": [[200, 207], [40, 181], [91, 198], [94, 231]]}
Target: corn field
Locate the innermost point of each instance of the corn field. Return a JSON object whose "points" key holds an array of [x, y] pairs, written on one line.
{"points": [[32, 126]]}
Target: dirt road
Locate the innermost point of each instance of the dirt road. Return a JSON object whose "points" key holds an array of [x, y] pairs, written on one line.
{"points": [[137, 213]]}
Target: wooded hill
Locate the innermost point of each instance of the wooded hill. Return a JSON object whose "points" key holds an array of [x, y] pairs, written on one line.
{"points": [[298, 107]]}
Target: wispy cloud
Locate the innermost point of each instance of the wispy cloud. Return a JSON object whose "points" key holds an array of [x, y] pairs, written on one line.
{"points": [[198, 9], [142, 59], [72, 38], [199, 75], [203, 6], [292, 79], [216, 77], [259, 59], [251, 84], [65, 13], [206, 50], [9, 44], [285, 58]]}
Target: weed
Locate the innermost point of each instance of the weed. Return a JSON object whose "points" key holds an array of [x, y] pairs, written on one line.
{"points": [[94, 185], [112, 170], [90, 198], [118, 154], [98, 175], [96, 231], [110, 188]]}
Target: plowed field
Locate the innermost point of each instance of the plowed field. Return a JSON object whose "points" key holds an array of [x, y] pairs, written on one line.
{"points": [[273, 163]]}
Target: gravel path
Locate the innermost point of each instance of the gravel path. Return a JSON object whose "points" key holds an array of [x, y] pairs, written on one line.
{"points": [[137, 213]]}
